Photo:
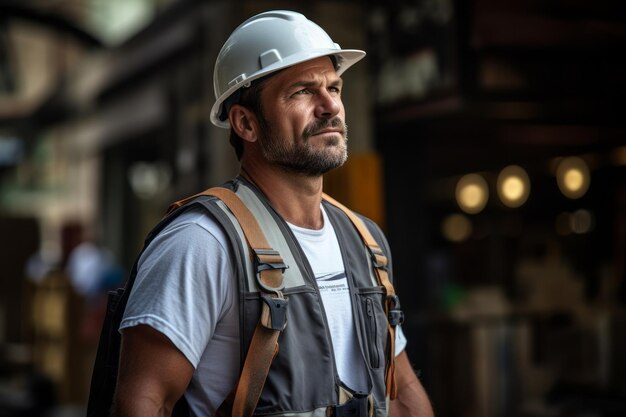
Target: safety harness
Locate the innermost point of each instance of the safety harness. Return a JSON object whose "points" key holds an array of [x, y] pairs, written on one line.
{"points": [[269, 269]]}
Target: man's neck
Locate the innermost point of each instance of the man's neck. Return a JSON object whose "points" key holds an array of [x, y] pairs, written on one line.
{"points": [[295, 197]]}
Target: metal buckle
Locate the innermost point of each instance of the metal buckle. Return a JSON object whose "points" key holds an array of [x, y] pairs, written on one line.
{"points": [[395, 314], [373, 253], [263, 266], [278, 311]]}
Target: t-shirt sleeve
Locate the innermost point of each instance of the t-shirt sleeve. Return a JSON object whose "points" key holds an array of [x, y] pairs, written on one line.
{"points": [[183, 286], [400, 340]]}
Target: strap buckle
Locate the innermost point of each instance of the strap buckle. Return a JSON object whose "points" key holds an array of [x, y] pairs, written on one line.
{"points": [[274, 308], [395, 315], [273, 262], [379, 260], [274, 313]]}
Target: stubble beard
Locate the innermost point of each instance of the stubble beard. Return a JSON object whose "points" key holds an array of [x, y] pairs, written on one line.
{"points": [[300, 157]]}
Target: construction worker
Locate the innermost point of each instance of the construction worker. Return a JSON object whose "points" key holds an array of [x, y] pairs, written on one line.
{"points": [[197, 296]]}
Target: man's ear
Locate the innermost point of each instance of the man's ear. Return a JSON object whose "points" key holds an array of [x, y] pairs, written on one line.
{"points": [[243, 122]]}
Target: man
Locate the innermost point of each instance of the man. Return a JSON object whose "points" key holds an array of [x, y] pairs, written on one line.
{"points": [[188, 319]]}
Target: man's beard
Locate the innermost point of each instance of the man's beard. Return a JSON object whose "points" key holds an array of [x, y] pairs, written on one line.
{"points": [[299, 156]]}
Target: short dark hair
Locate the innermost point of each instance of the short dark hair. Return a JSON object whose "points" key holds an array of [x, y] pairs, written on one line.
{"points": [[249, 97]]}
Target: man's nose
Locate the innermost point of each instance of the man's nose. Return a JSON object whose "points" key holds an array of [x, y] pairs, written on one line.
{"points": [[328, 104]]}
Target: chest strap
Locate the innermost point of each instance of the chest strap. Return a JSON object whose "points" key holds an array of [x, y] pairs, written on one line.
{"points": [[269, 274]]}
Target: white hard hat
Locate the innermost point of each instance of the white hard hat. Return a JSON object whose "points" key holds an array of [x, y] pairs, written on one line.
{"points": [[266, 43]]}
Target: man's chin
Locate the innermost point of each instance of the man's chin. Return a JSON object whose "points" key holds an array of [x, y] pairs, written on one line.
{"points": [[313, 170]]}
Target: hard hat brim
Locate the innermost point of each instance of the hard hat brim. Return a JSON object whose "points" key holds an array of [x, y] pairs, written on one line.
{"points": [[345, 59]]}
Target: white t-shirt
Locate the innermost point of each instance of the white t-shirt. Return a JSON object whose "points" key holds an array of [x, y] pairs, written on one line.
{"points": [[200, 315], [322, 250]]}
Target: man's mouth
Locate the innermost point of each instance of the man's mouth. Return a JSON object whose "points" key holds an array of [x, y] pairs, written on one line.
{"points": [[330, 130], [324, 127]]}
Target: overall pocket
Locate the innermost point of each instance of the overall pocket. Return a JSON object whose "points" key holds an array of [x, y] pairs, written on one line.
{"points": [[374, 325], [372, 332]]}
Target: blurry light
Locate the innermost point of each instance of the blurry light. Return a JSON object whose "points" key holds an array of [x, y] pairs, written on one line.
{"points": [[456, 227], [513, 186], [148, 179], [572, 176], [11, 150], [472, 193], [581, 221], [116, 20]]}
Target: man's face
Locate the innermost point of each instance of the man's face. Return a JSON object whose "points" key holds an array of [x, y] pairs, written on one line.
{"points": [[302, 120]]}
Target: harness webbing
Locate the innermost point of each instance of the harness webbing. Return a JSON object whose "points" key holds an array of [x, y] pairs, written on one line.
{"points": [[380, 262], [264, 344]]}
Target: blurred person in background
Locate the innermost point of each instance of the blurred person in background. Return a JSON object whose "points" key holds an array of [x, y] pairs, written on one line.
{"points": [[278, 86], [93, 271]]}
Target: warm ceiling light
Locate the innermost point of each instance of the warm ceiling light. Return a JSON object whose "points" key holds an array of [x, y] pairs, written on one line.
{"points": [[581, 221], [472, 193], [513, 186], [456, 228], [572, 176]]}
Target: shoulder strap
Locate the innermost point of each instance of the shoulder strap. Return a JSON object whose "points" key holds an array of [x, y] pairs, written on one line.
{"points": [[392, 303], [264, 344]]}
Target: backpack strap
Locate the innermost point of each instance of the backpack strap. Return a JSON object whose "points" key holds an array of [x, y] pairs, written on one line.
{"points": [[395, 316], [269, 273]]}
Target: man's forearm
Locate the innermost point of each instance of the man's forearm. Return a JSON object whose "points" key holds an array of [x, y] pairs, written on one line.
{"points": [[412, 400]]}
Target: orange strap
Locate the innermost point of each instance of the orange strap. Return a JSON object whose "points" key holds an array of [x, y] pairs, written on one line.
{"points": [[271, 279], [264, 344], [381, 262]]}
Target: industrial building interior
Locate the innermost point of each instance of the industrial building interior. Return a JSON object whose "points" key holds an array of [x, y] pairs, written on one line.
{"points": [[487, 138]]}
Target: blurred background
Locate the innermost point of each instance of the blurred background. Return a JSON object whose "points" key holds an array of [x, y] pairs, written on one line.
{"points": [[487, 137]]}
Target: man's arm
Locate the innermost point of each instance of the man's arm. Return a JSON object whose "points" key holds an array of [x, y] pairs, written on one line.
{"points": [[153, 374], [412, 400]]}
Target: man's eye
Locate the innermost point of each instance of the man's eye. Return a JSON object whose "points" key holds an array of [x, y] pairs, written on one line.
{"points": [[303, 91]]}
